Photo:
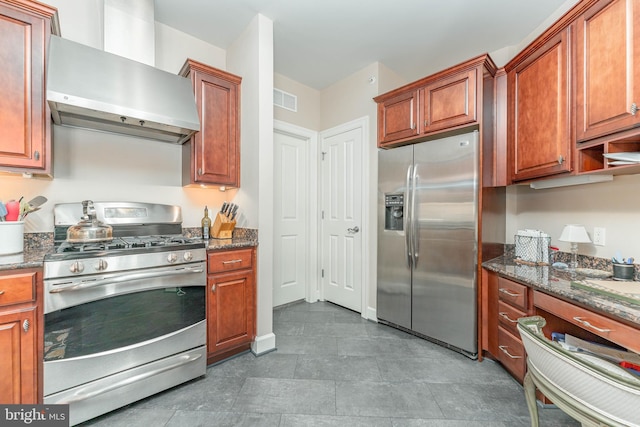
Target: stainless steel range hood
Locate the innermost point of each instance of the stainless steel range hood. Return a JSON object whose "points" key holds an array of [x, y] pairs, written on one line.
{"points": [[94, 89]]}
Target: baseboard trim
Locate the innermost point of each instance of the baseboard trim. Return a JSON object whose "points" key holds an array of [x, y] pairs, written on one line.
{"points": [[371, 314], [263, 344]]}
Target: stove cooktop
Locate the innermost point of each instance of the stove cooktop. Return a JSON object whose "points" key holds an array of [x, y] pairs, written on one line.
{"points": [[125, 247], [172, 242]]}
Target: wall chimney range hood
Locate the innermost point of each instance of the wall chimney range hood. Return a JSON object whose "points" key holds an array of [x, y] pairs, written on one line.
{"points": [[94, 89]]}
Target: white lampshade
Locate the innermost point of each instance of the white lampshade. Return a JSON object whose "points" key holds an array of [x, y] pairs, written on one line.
{"points": [[574, 233]]}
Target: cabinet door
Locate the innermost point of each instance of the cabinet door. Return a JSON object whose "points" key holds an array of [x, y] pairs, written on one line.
{"points": [[608, 68], [450, 102], [213, 155], [230, 310], [18, 382], [511, 353], [540, 132], [24, 115], [397, 118]]}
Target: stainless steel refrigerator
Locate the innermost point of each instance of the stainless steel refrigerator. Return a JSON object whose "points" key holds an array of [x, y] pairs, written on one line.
{"points": [[428, 240]]}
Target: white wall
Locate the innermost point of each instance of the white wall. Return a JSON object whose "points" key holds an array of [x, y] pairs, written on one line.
{"points": [[251, 56], [612, 205], [173, 47], [308, 114]]}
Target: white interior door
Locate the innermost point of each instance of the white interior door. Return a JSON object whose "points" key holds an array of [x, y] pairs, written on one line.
{"points": [[291, 217], [342, 217]]}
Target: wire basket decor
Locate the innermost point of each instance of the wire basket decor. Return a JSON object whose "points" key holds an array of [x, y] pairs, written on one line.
{"points": [[532, 249]]}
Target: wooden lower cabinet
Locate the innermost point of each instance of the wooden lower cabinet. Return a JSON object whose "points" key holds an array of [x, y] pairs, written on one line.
{"points": [[562, 316], [20, 335], [511, 353], [513, 302], [231, 305], [504, 301]]}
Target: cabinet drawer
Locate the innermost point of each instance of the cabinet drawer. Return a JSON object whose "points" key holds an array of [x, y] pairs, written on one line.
{"points": [[512, 293], [614, 331], [229, 260], [17, 288], [511, 353], [508, 317]]}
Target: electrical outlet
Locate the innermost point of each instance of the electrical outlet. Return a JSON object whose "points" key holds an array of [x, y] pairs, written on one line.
{"points": [[598, 236]]}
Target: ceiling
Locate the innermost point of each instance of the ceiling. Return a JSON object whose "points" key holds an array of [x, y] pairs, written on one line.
{"points": [[319, 42]]}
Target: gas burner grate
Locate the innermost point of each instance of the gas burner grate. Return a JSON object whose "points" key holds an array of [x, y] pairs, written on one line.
{"points": [[67, 247]]}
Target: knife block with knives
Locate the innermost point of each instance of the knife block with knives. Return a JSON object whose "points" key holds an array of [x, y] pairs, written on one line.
{"points": [[225, 223]]}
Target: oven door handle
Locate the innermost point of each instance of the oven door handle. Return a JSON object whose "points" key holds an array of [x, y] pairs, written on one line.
{"points": [[125, 278], [80, 396]]}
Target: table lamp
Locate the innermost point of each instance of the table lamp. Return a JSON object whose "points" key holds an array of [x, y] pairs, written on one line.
{"points": [[574, 233]]}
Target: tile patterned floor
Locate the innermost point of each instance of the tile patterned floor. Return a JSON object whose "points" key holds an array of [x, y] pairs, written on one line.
{"points": [[332, 368]]}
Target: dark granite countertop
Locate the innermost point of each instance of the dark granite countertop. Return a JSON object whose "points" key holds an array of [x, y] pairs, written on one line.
{"points": [[30, 258], [236, 242], [37, 245], [558, 283]]}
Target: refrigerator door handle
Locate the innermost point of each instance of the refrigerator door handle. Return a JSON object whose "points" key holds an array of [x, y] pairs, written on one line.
{"points": [[414, 226], [407, 219]]}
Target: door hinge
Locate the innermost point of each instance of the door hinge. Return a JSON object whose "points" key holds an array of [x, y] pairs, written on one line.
{"points": [[323, 272], [323, 153], [322, 214]]}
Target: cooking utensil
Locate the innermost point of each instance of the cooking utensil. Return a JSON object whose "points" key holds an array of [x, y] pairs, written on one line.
{"points": [[231, 209], [89, 229], [37, 201], [13, 210], [24, 214]]}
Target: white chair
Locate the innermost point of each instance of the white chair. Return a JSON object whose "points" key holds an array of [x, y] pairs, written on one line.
{"points": [[589, 389]]}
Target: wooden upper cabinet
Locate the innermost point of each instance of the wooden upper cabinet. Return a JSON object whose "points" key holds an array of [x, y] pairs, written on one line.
{"points": [[608, 68], [449, 102], [25, 140], [398, 117], [212, 156], [441, 102], [540, 132]]}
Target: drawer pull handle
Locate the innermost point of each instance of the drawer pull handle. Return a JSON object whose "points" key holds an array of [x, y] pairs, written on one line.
{"points": [[503, 348], [1, 292], [26, 325], [511, 294], [589, 325], [505, 316], [213, 288], [234, 261]]}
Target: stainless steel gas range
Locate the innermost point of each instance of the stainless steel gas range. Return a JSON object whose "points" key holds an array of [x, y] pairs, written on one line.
{"points": [[124, 315]]}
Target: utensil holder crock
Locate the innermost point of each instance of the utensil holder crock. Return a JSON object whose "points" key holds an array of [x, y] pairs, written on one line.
{"points": [[11, 237]]}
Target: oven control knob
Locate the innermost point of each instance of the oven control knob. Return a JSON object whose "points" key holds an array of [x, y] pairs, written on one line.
{"points": [[101, 265], [172, 258], [188, 256], [77, 267]]}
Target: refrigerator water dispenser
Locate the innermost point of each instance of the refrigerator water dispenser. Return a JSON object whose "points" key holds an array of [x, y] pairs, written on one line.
{"points": [[393, 211]]}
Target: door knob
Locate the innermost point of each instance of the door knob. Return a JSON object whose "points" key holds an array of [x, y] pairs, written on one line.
{"points": [[353, 230]]}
